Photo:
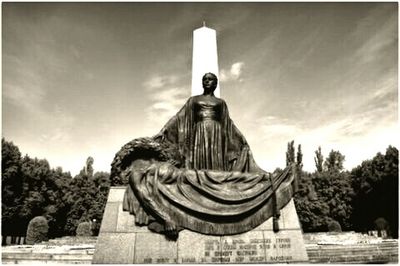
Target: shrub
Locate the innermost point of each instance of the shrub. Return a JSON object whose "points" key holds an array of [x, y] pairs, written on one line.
{"points": [[84, 229], [37, 230], [334, 226], [382, 225]]}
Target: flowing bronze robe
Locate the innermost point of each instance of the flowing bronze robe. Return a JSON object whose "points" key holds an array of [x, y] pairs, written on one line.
{"points": [[228, 197], [206, 201], [193, 125]]}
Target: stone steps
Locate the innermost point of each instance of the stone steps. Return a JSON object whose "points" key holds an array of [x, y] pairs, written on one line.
{"points": [[322, 252], [69, 240], [41, 254], [350, 247], [328, 248], [361, 253], [354, 259], [54, 251]]}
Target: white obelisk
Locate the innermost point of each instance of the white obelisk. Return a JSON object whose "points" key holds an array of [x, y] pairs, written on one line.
{"points": [[205, 58]]}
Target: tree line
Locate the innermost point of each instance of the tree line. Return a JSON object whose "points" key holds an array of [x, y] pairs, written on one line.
{"points": [[365, 198], [30, 188]]}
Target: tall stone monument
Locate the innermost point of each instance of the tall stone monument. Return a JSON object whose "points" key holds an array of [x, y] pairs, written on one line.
{"points": [[205, 57], [194, 194]]}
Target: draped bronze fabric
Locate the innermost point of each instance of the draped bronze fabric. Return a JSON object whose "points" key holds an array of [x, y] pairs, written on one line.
{"points": [[185, 130], [216, 189], [206, 201]]}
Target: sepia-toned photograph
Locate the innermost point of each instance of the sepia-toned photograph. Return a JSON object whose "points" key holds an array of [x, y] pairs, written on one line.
{"points": [[199, 132]]}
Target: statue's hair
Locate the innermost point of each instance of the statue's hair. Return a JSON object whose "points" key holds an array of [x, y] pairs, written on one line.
{"points": [[215, 76]]}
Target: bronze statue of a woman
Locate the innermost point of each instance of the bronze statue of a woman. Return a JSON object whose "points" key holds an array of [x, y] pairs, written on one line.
{"points": [[198, 173], [206, 135]]}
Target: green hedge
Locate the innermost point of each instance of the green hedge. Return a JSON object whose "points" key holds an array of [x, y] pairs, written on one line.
{"points": [[84, 229], [37, 230]]}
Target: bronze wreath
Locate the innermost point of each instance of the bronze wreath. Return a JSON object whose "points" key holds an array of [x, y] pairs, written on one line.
{"points": [[142, 148]]}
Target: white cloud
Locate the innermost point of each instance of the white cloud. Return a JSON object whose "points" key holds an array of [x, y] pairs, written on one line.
{"points": [[385, 33], [355, 148], [157, 81], [165, 105], [26, 88], [165, 102], [23, 86], [234, 73], [353, 137], [62, 126], [386, 86], [236, 69], [30, 99]]}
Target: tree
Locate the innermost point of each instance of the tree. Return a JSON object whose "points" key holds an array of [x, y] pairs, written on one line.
{"points": [[86, 199], [11, 196], [102, 183], [334, 189], [334, 161], [89, 166], [79, 199], [356, 199], [31, 188], [325, 195], [333, 186], [36, 195], [290, 153], [319, 160], [299, 158], [56, 212], [43, 191], [312, 212], [375, 183]]}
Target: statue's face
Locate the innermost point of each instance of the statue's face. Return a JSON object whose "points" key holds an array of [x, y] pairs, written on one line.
{"points": [[209, 81]]}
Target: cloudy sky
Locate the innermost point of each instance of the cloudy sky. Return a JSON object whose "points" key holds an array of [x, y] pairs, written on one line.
{"points": [[83, 79]]}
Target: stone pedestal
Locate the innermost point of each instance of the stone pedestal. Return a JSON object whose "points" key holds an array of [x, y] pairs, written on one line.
{"points": [[122, 242]]}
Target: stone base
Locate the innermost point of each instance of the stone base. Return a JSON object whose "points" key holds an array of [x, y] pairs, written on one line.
{"points": [[122, 242]]}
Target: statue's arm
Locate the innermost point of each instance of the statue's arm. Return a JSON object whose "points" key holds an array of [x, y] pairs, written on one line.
{"points": [[235, 130], [161, 135], [239, 134], [171, 123]]}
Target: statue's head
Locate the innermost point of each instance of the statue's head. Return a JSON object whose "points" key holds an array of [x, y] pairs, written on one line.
{"points": [[210, 82]]}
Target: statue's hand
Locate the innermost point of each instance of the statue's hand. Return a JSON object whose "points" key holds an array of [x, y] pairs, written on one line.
{"points": [[171, 229]]}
